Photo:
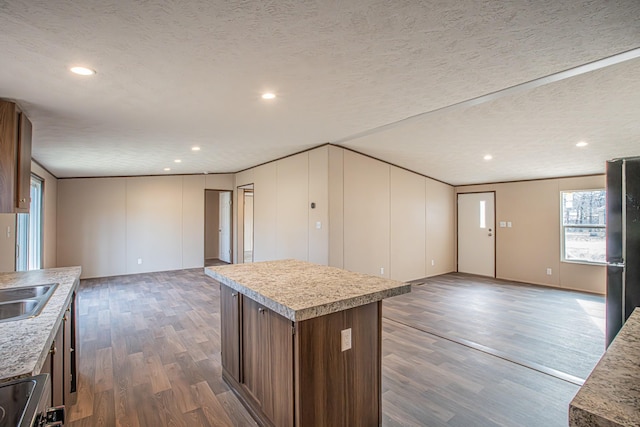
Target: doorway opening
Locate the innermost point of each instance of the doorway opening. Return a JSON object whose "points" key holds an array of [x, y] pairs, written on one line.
{"points": [[245, 224], [217, 227]]}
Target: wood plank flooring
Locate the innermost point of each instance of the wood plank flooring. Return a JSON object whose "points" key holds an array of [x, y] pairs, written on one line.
{"points": [[150, 354]]}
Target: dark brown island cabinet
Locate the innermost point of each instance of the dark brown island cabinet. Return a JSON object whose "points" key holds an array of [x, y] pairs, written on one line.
{"points": [[301, 343]]}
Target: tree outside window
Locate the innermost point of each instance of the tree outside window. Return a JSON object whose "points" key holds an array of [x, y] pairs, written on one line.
{"points": [[584, 226]]}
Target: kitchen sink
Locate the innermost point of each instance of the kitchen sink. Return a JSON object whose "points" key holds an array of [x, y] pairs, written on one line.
{"points": [[25, 302], [28, 292]]}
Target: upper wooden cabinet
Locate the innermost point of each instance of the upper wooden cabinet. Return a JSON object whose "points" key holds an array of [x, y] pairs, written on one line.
{"points": [[15, 159]]}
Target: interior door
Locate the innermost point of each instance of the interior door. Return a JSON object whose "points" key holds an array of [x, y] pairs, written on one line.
{"points": [[476, 233], [225, 226]]}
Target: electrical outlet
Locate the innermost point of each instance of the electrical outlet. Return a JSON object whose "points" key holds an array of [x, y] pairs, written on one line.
{"points": [[139, 261], [433, 262], [318, 225], [345, 339], [549, 272], [381, 270]]}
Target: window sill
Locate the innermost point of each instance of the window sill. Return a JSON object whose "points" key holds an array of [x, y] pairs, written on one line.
{"points": [[567, 261]]}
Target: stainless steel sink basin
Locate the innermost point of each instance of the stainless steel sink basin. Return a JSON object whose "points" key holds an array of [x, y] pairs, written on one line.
{"points": [[21, 303], [28, 292]]}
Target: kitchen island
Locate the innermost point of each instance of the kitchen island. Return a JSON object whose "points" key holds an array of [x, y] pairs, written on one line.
{"points": [[44, 343], [301, 343]]}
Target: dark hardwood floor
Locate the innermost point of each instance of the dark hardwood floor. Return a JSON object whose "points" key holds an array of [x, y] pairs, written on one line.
{"points": [[150, 353]]}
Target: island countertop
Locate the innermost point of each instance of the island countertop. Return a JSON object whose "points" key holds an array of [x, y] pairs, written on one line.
{"points": [[611, 395], [301, 290], [24, 344]]}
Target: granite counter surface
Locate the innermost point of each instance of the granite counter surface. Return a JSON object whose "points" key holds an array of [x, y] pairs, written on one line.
{"points": [[301, 290], [24, 344], [611, 395]]}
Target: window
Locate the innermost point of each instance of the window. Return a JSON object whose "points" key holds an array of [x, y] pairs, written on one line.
{"points": [[29, 233], [583, 226]]}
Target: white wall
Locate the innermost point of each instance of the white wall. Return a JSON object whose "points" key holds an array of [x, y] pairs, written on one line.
{"points": [[366, 215], [92, 225], [50, 215], [408, 224], [285, 225], [107, 224]]}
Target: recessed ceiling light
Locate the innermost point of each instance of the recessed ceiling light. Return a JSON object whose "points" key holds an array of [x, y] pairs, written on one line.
{"points": [[178, 161], [582, 144], [196, 148], [268, 95], [488, 157], [83, 71], [167, 169]]}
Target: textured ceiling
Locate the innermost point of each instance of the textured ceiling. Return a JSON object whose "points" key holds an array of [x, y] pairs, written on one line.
{"points": [[172, 74]]}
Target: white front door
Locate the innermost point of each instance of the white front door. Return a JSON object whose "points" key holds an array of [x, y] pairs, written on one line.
{"points": [[476, 233], [225, 226]]}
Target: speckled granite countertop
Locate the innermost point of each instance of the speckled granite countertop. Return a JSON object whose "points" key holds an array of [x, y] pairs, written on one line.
{"points": [[24, 344], [300, 290], [611, 395]]}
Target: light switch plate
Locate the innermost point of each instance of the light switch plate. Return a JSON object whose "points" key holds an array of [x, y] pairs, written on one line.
{"points": [[345, 338]]}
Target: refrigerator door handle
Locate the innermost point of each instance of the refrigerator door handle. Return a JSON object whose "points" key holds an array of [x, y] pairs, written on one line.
{"points": [[615, 264]]}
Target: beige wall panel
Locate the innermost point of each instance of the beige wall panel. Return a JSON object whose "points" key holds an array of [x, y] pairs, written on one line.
{"points": [[212, 225], [532, 245], [319, 194], [336, 206], [154, 224], [408, 225], [7, 242], [366, 215], [50, 216], [440, 233], [584, 277], [193, 221], [91, 229], [265, 201], [219, 181], [292, 204]]}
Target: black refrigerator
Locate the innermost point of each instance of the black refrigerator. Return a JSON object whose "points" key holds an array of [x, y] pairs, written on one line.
{"points": [[623, 242]]}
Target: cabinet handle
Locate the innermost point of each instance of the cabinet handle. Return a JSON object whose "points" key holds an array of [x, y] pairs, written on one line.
{"points": [[53, 349], [260, 310], [235, 294], [23, 200]]}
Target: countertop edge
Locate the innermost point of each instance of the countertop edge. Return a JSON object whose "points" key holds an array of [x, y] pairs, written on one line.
{"points": [[309, 312], [37, 333], [610, 396]]}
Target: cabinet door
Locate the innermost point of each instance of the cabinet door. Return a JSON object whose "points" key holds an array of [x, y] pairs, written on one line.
{"points": [[8, 156], [230, 330], [277, 402], [57, 368], [23, 175], [252, 348]]}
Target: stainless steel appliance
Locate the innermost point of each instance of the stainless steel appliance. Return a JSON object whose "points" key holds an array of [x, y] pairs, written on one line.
{"points": [[623, 242], [25, 403]]}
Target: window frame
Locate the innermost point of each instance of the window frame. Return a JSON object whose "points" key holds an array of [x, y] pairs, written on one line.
{"points": [[563, 228]]}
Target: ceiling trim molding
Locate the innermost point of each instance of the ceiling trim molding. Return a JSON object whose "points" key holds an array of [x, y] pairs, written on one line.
{"points": [[512, 90]]}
